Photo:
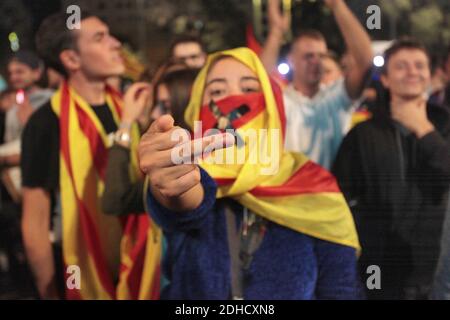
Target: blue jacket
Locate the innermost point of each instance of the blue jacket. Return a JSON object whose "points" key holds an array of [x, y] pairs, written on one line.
{"points": [[287, 265]]}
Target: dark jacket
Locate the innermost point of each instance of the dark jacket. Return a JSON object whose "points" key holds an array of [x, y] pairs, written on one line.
{"points": [[121, 196], [396, 186]]}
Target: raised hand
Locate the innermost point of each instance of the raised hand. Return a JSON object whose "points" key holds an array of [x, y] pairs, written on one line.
{"points": [[333, 3], [175, 185], [278, 21], [136, 100]]}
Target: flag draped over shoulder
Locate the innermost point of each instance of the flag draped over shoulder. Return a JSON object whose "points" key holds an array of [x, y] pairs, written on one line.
{"points": [[118, 258], [300, 195]]}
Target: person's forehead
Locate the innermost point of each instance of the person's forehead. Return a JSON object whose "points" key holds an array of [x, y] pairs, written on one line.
{"points": [[15, 64], [91, 26], [229, 68], [186, 47], [308, 44], [408, 54]]}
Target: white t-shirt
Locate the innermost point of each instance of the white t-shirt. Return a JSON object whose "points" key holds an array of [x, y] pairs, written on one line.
{"points": [[13, 127]]}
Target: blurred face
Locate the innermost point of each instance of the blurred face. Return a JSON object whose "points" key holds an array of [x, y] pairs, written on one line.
{"points": [[306, 59], [229, 77], [189, 53], [331, 71], [98, 54], [162, 102], [21, 76], [408, 74]]}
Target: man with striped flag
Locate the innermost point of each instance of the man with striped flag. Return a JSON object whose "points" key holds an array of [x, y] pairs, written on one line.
{"points": [[64, 161]]}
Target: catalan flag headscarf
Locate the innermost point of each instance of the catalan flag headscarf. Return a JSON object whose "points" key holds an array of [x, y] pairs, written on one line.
{"points": [[118, 258], [298, 194]]}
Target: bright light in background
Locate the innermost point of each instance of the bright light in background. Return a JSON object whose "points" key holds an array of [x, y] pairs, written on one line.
{"points": [[13, 37], [378, 61], [14, 41], [283, 68]]}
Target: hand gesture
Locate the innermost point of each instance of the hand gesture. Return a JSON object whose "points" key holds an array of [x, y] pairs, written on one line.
{"points": [[171, 182], [278, 21], [412, 115], [136, 100]]}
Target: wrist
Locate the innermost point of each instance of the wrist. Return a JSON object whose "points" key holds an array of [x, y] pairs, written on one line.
{"points": [[122, 137], [125, 124], [185, 202], [276, 33]]}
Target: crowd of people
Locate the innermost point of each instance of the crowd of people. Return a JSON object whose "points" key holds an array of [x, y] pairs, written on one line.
{"points": [[93, 205]]}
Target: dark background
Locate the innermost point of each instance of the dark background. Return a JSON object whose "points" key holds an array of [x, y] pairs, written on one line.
{"points": [[146, 26]]}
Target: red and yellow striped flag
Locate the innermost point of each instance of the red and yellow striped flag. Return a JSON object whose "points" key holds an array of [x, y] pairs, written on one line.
{"points": [[118, 258]]}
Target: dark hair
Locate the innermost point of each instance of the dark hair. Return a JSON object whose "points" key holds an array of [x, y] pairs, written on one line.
{"points": [[186, 39], [179, 84], [309, 33], [153, 75], [29, 58], [53, 37], [402, 44]]}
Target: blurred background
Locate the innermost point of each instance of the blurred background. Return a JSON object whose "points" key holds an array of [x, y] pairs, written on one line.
{"points": [[145, 26]]}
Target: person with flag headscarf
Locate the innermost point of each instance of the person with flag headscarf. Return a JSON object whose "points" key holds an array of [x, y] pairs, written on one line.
{"points": [[245, 229]]}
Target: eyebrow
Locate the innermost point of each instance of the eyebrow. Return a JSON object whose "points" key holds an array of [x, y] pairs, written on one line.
{"points": [[192, 55], [100, 33], [249, 78], [215, 80]]}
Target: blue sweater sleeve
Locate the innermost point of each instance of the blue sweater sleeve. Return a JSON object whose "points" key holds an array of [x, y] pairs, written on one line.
{"points": [[338, 276], [184, 221]]}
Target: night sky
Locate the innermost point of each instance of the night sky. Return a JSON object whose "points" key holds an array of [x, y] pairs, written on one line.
{"points": [[39, 9]]}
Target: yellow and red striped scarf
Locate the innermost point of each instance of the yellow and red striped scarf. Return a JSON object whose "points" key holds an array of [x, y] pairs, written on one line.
{"points": [[302, 195], [118, 257]]}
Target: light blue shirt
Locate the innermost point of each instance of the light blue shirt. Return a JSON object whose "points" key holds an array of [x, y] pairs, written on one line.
{"points": [[316, 126]]}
